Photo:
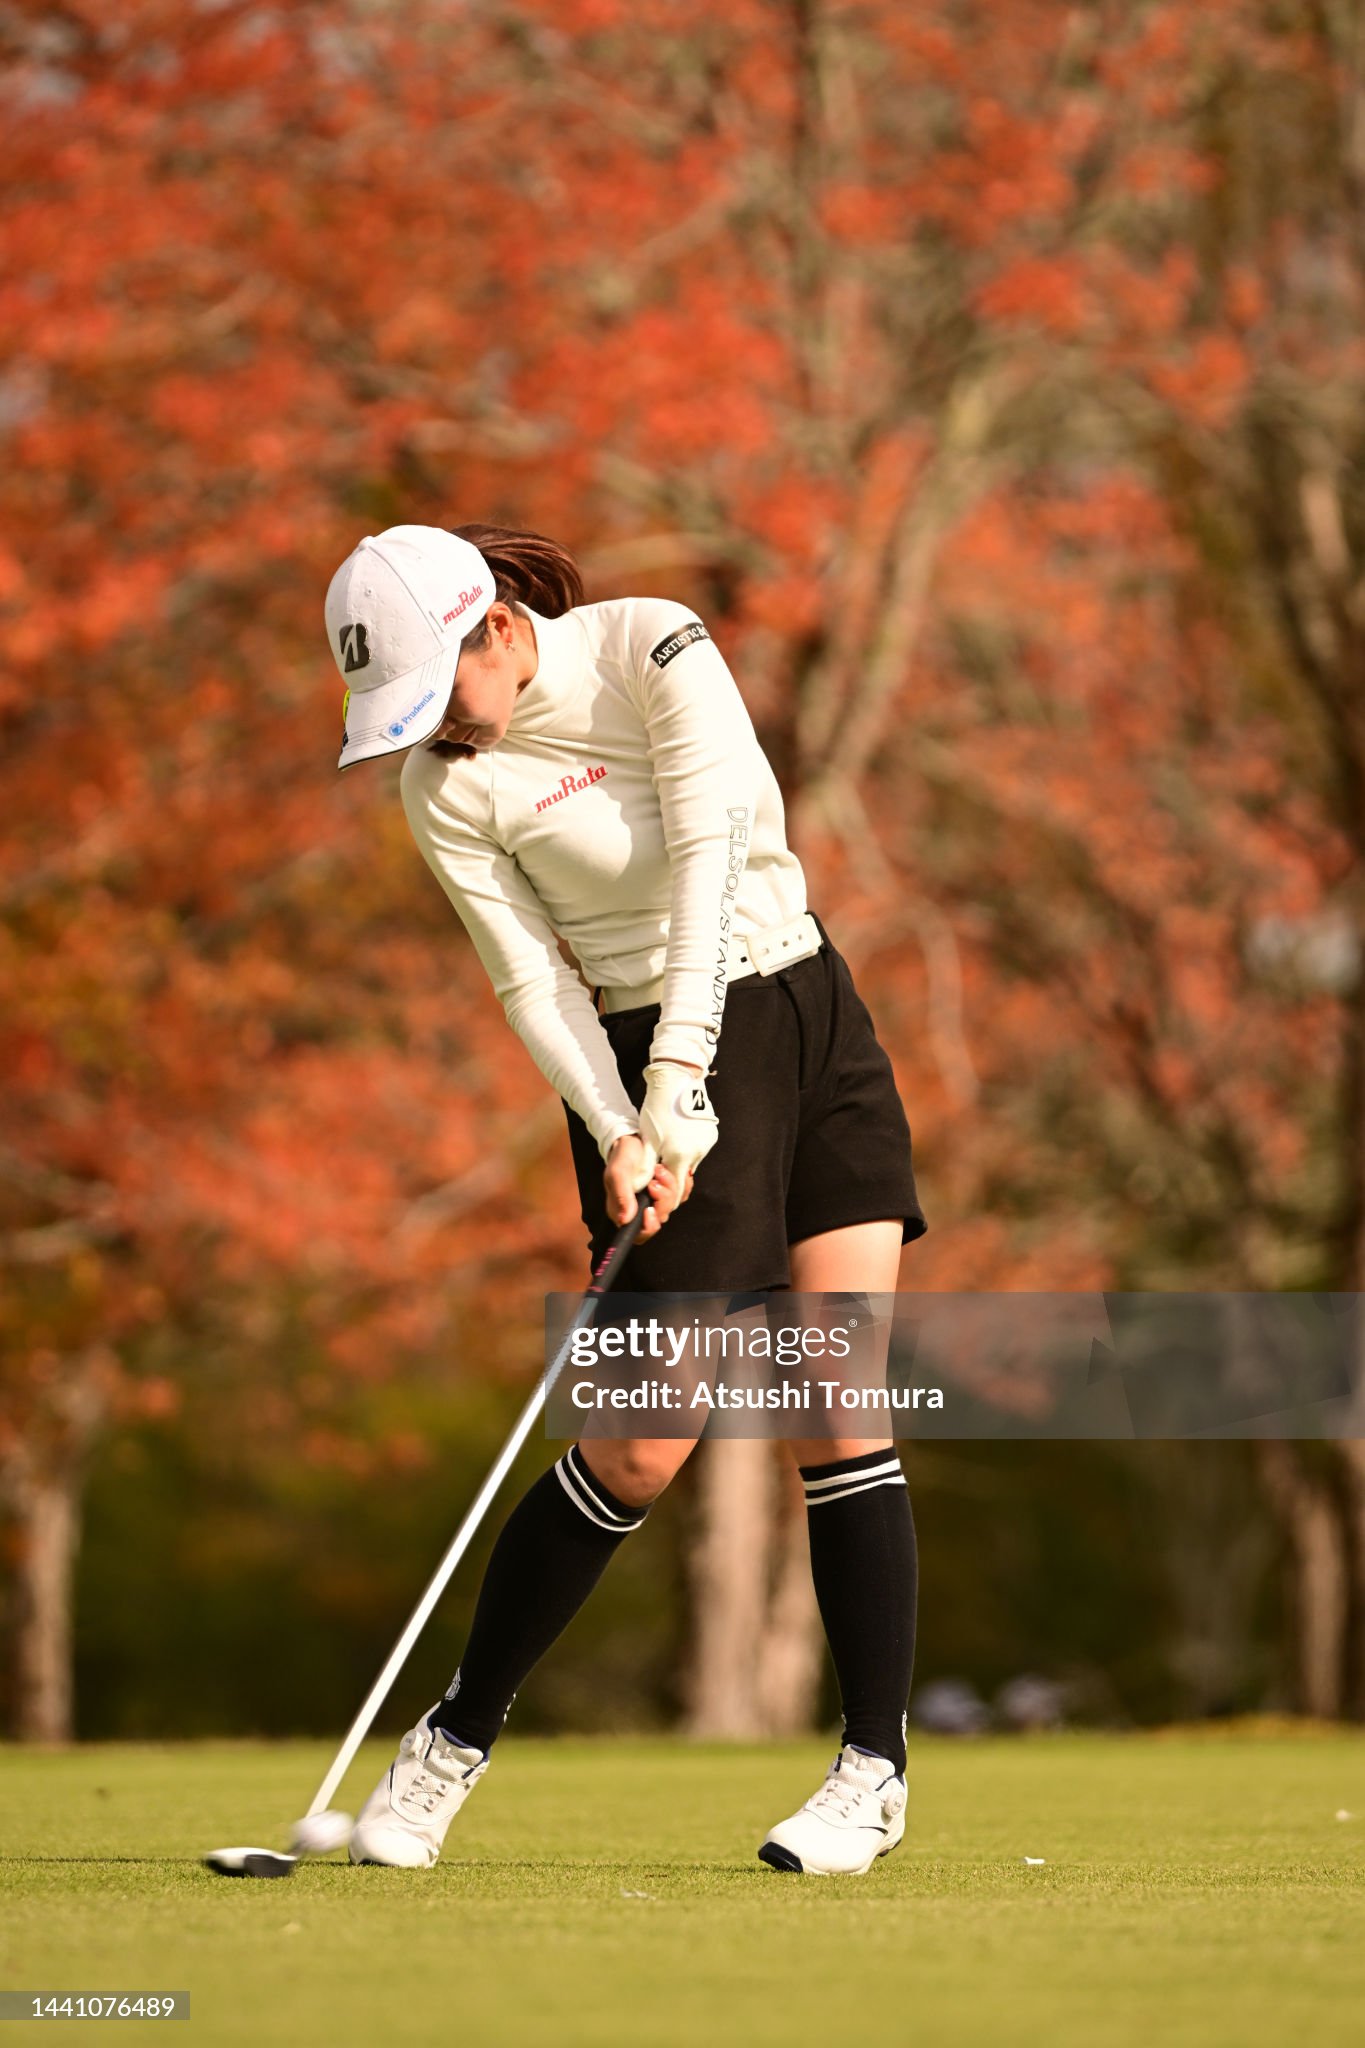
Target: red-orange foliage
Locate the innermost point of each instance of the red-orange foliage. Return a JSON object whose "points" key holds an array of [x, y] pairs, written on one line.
{"points": [[805, 313]]}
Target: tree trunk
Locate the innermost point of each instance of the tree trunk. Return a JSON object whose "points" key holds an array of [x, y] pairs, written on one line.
{"points": [[791, 1649], [47, 1513], [41, 1477], [756, 1644], [1308, 1512], [1353, 1450], [1353, 1457], [730, 1581]]}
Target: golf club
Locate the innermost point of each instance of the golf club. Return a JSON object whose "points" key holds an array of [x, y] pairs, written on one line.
{"points": [[321, 1830]]}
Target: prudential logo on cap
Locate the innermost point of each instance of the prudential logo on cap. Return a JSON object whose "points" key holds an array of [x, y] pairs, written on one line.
{"points": [[398, 610], [400, 725]]}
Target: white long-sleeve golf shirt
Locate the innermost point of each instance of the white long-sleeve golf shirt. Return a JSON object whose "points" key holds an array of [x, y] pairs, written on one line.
{"points": [[629, 809]]}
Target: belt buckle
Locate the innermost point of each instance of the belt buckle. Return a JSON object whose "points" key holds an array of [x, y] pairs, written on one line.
{"points": [[784, 945]]}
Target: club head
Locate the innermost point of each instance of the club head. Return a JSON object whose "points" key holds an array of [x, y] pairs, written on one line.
{"points": [[318, 1834], [250, 1863]]}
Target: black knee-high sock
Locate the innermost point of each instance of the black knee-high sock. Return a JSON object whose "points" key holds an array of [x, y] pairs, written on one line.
{"points": [[553, 1549], [863, 1561]]}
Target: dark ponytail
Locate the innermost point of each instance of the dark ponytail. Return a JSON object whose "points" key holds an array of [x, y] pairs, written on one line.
{"points": [[528, 569]]}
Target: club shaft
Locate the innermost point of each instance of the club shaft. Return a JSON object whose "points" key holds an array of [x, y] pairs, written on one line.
{"points": [[464, 1535]]}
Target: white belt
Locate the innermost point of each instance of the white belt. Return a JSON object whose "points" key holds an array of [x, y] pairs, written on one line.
{"points": [[782, 945]]}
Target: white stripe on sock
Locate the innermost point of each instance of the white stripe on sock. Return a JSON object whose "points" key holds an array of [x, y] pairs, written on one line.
{"points": [[889, 1466], [577, 1471], [613, 1528], [822, 1500]]}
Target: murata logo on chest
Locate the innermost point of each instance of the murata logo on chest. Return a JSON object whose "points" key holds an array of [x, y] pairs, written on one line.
{"points": [[569, 785]]}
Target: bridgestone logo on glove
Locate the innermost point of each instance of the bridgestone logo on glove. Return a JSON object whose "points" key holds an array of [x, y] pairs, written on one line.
{"points": [[677, 1123]]}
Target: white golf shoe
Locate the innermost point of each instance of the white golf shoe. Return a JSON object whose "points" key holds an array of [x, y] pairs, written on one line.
{"points": [[857, 1815], [403, 1822]]}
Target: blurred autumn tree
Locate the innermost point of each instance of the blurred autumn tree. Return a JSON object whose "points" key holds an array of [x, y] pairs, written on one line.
{"points": [[1205, 333], [1248, 409], [240, 1089], [949, 359]]}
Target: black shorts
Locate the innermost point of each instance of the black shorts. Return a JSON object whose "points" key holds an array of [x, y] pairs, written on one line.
{"points": [[812, 1135]]}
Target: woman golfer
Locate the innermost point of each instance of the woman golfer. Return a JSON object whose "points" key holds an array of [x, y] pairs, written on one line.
{"points": [[588, 773]]}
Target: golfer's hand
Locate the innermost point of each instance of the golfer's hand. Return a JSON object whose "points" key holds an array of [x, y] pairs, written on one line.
{"points": [[625, 1173], [677, 1121]]}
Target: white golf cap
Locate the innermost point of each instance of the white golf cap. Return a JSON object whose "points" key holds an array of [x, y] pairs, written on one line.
{"points": [[397, 610]]}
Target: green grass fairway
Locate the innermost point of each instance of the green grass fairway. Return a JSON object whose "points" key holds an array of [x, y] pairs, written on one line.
{"points": [[1196, 1889]]}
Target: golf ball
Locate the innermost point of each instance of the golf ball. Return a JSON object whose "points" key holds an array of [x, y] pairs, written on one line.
{"points": [[320, 1833]]}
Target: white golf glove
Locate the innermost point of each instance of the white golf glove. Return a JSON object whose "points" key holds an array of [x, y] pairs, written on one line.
{"points": [[677, 1122]]}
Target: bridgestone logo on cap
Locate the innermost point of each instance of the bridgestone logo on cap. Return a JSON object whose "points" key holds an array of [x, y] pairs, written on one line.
{"points": [[355, 648], [675, 643]]}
